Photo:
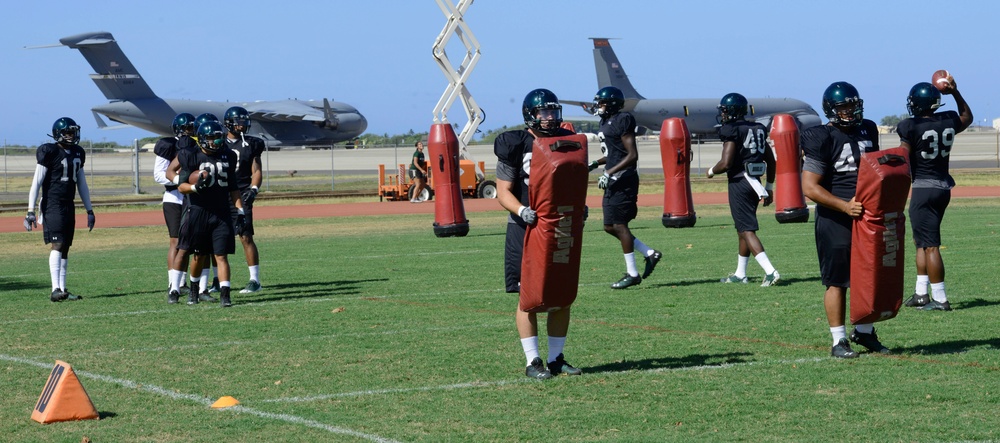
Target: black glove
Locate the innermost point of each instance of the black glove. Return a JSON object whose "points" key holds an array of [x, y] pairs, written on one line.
{"points": [[249, 195], [30, 221], [241, 223], [91, 220], [202, 183]]}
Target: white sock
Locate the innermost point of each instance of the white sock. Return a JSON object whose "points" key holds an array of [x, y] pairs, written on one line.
{"points": [[644, 250], [530, 346], [63, 264], [865, 328], [55, 262], [184, 276], [741, 266], [255, 273], [204, 279], [764, 263], [224, 284], [937, 292], [922, 282], [175, 280], [630, 265], [839, 333], [556, 345]]}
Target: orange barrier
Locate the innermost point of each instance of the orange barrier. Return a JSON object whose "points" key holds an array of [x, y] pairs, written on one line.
{"points": [[63, 398], [675, 152], [789, 202], [449, 209]]}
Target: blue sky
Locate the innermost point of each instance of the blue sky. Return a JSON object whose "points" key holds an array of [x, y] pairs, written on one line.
{"points": [[376, 54]]}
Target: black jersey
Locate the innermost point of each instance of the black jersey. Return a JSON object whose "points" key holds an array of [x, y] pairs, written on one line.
{"points": [[513, 151], [611, 132], [62, 165], [221, 170], [750, 138], [930, 139], [834, 154], [245, 156]]}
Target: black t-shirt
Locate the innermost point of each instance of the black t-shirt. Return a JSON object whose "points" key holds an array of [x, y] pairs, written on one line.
{"points": [[612, 130], [834, 154], [930, 139], [221, 169], [245, 156], [62, 165], [751, 140]]}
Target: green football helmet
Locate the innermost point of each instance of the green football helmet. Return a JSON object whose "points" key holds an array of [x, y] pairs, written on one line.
{"points": [[608, 101], [204, 118], [237, 116], [66, 131], [542, 112], [184, 123], [732, 107], [839, 95], [210, 137], [923, 98]]}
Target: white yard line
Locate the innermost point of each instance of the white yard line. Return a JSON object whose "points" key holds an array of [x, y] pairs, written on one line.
{"points": [[205, 401]]}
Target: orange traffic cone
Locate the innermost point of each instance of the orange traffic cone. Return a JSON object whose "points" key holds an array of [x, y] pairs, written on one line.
{"points": [[63, 398], [225, 402]]}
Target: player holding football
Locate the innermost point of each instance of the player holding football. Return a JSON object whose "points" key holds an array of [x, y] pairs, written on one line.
{"points": [[542, 114], [248, 150], [207, 226], [928, 135], [830, 178], [620, 182], [59, 175], [746, 156]]}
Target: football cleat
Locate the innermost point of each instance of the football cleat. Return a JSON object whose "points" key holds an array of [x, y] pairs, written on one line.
{"points": [[917, 300], [560, 366], [734, 279], [935, 305], [215, 285], [224, 300], [771, 279], [869, 341], [843, 350], [252, 286], [70, 296], [173, 297], [192, 298], [206, 297], [626, 281], [57, 295], [651, 262], [537, 370], [185, 290]]}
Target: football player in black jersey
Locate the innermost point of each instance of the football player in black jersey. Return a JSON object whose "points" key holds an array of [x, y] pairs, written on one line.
{"points": [[620, 182], [543, 115], [59, 175], [248, 150], [928, 135], [746, 156], [173, 201], [207, 226], [830, 178]]}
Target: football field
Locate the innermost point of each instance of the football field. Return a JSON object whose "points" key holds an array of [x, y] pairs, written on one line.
{"points": [[373, 329]]}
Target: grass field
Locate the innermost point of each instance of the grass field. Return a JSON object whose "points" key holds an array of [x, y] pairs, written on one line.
{"points": [[372, 329]]}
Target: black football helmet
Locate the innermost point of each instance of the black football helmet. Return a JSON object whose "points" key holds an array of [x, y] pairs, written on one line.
{"points": [[204, 118], [542, 112], [924, 97], [184, 123], [237, 116], [66, 131], [608, 101], [210, 137], [839, 95], [732, 107]]}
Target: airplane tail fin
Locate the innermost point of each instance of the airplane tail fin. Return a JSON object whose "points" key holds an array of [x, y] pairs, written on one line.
{"points": [[115, 75], [610, 71]]}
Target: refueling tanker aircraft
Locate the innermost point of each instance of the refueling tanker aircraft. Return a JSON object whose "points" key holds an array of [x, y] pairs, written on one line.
{"points": [[698, 113], [280, 123]]}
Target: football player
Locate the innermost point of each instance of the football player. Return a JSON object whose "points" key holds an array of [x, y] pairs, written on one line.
{"points": [[746, 156], [928, 135], [418, 172], [248, 150], [830, 178], [59, 175], [543, 115], [620, 182], [207, 225], [173, 201]]}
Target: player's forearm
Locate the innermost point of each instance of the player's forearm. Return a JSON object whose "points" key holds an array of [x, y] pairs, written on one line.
{"points": [[81, 186], [36, 184], [160, 171]]}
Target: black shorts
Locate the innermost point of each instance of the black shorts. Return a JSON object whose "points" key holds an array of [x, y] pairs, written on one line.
{"points": [[58, 222], [743, 201], [205, 232], [247, 212], [833, 246], [512, 252], [620, 200], [172, 214], [415, 173], [927, 206]]}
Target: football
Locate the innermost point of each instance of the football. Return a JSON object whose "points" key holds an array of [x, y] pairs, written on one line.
{"points": [[942, 80], [193, 178]]}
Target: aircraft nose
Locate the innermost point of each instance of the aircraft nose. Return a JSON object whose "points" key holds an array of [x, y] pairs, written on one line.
{"points": [[352, 122]]}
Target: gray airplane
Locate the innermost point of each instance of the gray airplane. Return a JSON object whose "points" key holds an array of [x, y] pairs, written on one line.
{"points": [[280, 123], [698, 113]]}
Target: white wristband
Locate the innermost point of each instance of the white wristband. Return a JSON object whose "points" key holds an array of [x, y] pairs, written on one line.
{"points": [[177, 179], [255, 189], [711, 172], [521, 209]]}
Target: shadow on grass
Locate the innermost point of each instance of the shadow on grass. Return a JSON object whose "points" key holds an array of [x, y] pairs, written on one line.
{"points": [[976, 303], [690, 361], [755, 281], [104, 415], [949, 347], [18, 285], [294, 291]]}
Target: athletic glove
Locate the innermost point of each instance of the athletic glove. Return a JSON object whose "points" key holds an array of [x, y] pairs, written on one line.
{"points": [[30, 221], [202, 183], [249, 195], [605, 181], [91, 220], [528, 215], [593, 165], [241, 222]]}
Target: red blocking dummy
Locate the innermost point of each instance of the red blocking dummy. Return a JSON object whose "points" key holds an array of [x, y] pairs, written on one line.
{"points": [[789, 202], [675, 152], [449, 209]]}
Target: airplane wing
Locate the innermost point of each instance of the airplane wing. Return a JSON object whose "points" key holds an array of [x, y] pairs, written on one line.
{"points": [[587, 106], [284, 111]]}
